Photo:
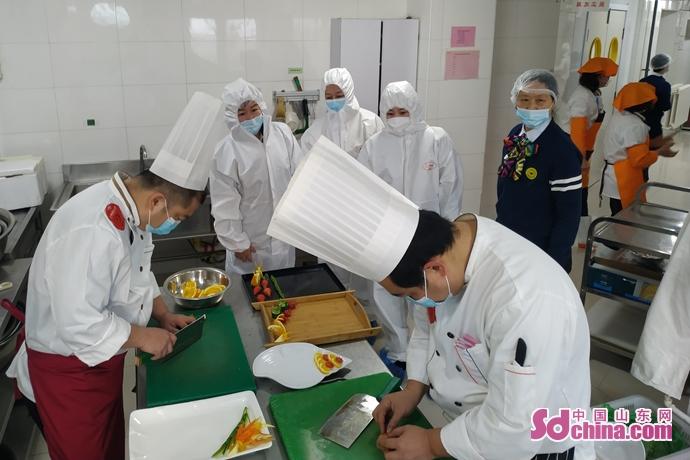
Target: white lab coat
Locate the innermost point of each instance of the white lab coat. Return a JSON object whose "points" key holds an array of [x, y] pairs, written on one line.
{"points": [[625, 130], [513, 291], [88, 282], [248, 179], [662, 359], [421, 163]]}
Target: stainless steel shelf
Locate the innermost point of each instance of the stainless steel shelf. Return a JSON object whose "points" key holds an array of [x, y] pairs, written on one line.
{"points": [[616, 326]]}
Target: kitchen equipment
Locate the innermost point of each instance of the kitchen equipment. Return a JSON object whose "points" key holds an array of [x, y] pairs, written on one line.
{"points": [[7, 222], [292, 365], [203, 277], [191, 430], [215, 365], [619, 450], [5, 285], [297, 281], [185, 338], [23, 182], [348, 422], [299, 414], [324, 318]]}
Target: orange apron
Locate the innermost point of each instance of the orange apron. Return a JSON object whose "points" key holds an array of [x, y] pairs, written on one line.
{"points": [[584, 139], [629, 172]]}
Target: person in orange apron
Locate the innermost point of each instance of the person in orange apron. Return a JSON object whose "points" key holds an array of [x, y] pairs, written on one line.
{"points": [[626, 146], [91, 292], [586, 114]]}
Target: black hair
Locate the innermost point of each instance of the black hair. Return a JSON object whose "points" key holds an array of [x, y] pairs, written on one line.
{"points": [[433, 237], [178, 195], [640, 108], [590, 81]]}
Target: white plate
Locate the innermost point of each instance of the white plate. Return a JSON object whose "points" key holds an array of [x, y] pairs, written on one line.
{"points": [[192, 430], [292, 365], [619, 450]]}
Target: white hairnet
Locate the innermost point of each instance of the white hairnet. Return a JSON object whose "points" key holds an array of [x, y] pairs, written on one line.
{"points": [[401, 94], [660, 61], [235, 94], [532, 75], [341, 77]]}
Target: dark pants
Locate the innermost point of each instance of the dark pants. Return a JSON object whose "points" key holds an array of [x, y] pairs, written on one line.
{"points": [[567, 455], [615, 205], [585, 208], [33, 411]]}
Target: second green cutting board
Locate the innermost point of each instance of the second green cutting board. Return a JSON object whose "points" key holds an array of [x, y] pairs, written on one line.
{"points": [[299, 415]]}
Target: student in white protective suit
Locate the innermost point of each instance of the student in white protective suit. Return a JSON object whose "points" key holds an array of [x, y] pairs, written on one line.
{"points": [[420, 162], [500, 330], [348, 126], [251, 170]]}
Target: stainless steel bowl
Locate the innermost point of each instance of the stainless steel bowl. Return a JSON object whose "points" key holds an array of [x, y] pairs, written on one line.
{"points": [[8, 220], [204, 277]]}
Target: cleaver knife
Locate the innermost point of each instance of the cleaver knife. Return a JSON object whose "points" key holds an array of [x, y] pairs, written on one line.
{"points": [[352, 418], [185, 338]]}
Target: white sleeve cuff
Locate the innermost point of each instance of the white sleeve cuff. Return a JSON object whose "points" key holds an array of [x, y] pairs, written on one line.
{"points": [[456, 442]]}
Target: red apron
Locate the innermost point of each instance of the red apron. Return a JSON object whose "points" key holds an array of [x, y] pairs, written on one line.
{"points": [[80, 406]]}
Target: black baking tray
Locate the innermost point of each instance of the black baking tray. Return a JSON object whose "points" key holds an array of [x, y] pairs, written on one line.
{"points": [[298, 281]]}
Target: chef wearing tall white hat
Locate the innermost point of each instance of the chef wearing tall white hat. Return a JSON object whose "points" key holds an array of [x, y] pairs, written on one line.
{"points": [[499, 328], [91, 292]]}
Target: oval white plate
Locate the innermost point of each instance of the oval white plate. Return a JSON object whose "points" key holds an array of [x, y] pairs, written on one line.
{"points": [[193, 430], [292, 365], [619, 450]]}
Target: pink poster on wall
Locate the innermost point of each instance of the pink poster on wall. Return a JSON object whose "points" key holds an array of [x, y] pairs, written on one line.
{"points": [[462, 65], [462, 36]]}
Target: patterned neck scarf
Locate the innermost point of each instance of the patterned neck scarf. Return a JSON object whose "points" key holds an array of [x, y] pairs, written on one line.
{"points": [[518, 148]]}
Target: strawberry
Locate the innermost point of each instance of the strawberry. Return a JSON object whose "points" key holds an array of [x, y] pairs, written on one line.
{"points": [[267, 292], [264, 283], [257, 290], [261, 298]]}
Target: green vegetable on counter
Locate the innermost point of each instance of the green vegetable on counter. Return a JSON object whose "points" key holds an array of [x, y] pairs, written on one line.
{"points": [[280, 292]]}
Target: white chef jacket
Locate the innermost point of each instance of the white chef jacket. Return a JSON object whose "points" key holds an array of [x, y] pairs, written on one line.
{"points": [[513, 291], [625, 130], [584, 103], [247, 181], [88, 281]]}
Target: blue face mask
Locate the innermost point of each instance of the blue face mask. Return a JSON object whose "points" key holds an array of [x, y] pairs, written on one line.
{"points": [[533, 118], [428, 302], [166, 227], [335, 104], [253, 125]]}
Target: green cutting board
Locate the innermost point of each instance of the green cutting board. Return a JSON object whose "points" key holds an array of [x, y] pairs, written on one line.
{"points": [[299, 415], [215, 365]]}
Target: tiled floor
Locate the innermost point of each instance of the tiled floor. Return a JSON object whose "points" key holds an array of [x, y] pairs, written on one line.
{"points": [[610, 379]]}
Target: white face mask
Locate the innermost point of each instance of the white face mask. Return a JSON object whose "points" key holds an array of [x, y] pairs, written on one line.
{"points": [[398, 124]]}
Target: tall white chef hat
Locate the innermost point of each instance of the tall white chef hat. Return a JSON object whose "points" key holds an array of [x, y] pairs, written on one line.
{"points": [[186, 156], [338, 210]]}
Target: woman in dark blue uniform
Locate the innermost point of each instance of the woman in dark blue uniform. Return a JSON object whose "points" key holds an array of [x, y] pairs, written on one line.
{"points": [[540, 178]]}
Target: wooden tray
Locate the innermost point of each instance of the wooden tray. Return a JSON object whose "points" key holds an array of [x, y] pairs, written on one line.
{"points": [[323, 318]]}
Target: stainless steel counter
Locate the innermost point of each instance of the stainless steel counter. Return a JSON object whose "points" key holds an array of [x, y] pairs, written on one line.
{"points": [[365, 361]]}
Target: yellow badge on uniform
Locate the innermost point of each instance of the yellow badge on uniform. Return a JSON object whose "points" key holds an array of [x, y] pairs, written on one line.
{"points": [[531, 173]]}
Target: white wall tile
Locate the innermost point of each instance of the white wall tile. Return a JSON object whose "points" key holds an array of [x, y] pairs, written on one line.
{"points": [[152, 63], [463, 98], [151, 20], [318, 15], [210, 62], [271, 20], [473, 171], [501, 86], [23, 21], [43, 144], [213, 20], [269, 61], [317, 59], [430, 15], [85, 64], [469, 13], [381, 9], [94, 145], [471, 200], [214, 89], [72, 21], [428, 92], [486, 55], [152, 137], [27, 110], [153, 105], [102, 104], [466, 133], [25, 66]]}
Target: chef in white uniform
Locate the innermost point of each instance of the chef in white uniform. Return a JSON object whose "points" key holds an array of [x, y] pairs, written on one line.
{"points": [[499, 328], [420, 162], [91, 292], [251, 170]]}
